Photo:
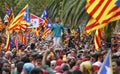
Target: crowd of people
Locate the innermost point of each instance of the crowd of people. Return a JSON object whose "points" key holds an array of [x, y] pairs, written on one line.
{"points": [[63, 54]]}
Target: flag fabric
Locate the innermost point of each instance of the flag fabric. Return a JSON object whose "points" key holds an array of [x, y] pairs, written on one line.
{"points": [[32, 16], [49, 25], [97, 38], [106, 67], [118, 3], [38, 30], [26, 20], [16, 22], [9, 17], [24, 39], [45, 13], [8, 41], [111, 13], [100, 6], [16, 41], [46, 23], [35, 21], [47, 29]]}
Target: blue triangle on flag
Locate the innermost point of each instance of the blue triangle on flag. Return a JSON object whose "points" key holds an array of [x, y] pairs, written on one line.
{"points": [[118, 3]]}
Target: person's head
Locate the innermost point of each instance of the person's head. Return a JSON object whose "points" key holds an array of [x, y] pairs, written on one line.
{"points": [[19, 66], [116, 65], [25, 59], [32, 57], [36, 71], [65, 67], [32, 46], [77, 72], [27, 68], [57, 19], [39, 60], [6, 64], [53, 64], [6, 71], [68, 72], [86, 67]]}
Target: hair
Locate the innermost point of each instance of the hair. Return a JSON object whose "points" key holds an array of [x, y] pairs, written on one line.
{"points": [[48, 62], [36, 71], [39, 57], [117, 61], [19, 67], [6, 70], [65, 67], [32, 46], [68, 72], [77, 72], [25, 59]]}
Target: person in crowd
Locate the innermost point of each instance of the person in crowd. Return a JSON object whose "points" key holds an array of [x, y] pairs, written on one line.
{"points": [[36, 71], [86, 67], [116, 66], [39, 61], [57, 28], [6, 71]]}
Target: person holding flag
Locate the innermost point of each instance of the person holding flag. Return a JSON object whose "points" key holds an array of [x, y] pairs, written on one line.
{"points": [[57, 28]]}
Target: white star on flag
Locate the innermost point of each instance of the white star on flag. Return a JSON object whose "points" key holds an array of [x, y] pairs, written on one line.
{"points": [[108, 70]]}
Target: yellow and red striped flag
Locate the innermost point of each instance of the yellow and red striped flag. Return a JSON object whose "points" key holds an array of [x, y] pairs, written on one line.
{"points": [[46, 24], [8, 41], [9, 13], [17, 19], [102, 19], [38, 30], [97, 38]]}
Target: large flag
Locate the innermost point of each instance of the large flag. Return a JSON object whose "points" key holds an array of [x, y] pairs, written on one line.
{"points": [[108, 10], [106, 68], [25, 21], [16, 22]]}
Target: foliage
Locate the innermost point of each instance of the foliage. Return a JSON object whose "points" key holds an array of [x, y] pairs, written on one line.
{"points": [[72, 12], [35, 6]]}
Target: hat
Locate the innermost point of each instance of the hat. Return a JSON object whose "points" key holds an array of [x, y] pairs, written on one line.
{"points": [[28, 66], [59, 62], [58, 69], [86, 65], [45, 72], [76, 67]]}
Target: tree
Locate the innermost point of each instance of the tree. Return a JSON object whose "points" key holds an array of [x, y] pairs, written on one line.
{"points": [[35, 6], [73, 14]]}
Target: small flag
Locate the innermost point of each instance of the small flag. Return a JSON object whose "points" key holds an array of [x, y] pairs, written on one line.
{"points": [[97, 38], [106, 67], [9, 17], [16, 41], [35, 21], [45, 13], [8, 41], [45, 23], [49, 25]]}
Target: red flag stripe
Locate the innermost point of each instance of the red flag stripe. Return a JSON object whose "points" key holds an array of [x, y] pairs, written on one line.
{"points": [[113, 9], [8, 46], [96, 7], [103, 10]]}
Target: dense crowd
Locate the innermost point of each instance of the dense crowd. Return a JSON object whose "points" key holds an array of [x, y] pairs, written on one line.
{"points": [[74, 55]]}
